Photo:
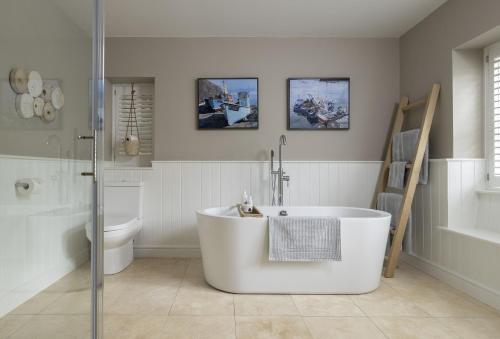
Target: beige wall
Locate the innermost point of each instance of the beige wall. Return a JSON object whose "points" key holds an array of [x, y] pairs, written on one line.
{"points": [[37, 35], [372, 65], [426, 57], [468, 103]]}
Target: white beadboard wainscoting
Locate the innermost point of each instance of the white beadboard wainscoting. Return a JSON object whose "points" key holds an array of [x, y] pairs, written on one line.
{"points": [[456, 231], [174, 190], [42, 237]]}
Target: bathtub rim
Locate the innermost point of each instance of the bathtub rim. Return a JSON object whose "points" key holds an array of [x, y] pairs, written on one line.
{"points": [[378, 214]]}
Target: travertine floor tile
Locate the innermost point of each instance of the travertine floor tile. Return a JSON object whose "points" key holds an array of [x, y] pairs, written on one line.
{"points": [[156, 269], [188, 302], [136, 297], [442, 304], [75, 281], [169, 298], [409, 327], [37, 304], [257, 304], [199, 327], [70, 303], [133, 326], [386, 301], [55, 326], [327, 305], [271, 328], [11, 323], [342, 328], [474, 328]]}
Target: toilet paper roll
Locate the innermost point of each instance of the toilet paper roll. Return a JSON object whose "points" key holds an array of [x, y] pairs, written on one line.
{"points": [[26, 187]]}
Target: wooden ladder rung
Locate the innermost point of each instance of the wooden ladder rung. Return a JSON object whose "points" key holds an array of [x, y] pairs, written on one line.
{"points": [[415, 104]]}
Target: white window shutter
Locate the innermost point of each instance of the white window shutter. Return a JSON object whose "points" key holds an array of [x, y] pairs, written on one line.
{"points": [[496, 113], [492, 130]]}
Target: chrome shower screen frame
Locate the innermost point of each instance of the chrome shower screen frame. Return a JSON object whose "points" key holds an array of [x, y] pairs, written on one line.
{"points": [[97, 95]]}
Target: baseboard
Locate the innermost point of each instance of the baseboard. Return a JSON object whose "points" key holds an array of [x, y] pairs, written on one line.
{"points": [[167, 252], [464, 284]]}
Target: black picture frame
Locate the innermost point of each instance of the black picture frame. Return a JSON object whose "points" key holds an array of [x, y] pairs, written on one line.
{"points": [[214, 126], [348, 109]]}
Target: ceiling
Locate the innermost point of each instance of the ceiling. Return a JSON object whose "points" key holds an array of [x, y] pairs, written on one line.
{"points": [[265, 18]]}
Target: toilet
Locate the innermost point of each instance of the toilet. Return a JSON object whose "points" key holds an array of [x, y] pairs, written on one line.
{"points": [[122, 222]]}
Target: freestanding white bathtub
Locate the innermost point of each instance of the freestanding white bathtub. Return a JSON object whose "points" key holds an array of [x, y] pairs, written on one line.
{"points": [[235, 253]]}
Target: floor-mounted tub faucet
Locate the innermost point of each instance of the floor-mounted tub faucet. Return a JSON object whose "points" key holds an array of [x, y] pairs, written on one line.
{"points": [[278, 175]]}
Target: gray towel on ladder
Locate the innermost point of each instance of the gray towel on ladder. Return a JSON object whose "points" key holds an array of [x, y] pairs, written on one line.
{"points": [[391, 203], [404, 146], [304, 239], [397, 171]]}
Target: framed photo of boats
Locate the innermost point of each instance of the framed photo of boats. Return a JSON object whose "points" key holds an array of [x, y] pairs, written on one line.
{"points": [[228, 103], [318, 103]]}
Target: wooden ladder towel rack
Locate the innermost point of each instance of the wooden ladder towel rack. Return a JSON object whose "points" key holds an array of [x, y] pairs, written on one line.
{"points": [[411, 183]]}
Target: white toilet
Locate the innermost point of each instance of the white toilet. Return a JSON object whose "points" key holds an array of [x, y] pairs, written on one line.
{"points": [[122, 222]]}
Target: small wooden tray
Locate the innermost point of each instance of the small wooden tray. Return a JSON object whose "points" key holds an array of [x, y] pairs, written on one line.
{"points": [[254, 214]]}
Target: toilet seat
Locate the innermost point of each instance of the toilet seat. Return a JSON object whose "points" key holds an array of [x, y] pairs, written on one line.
{"points": [[116, 223]]}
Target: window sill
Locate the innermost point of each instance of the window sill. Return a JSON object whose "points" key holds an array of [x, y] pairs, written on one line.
{"points": [[476, 233], [488, 191]]}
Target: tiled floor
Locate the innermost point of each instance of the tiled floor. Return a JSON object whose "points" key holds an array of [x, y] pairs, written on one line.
{"points": [[168, 298]]}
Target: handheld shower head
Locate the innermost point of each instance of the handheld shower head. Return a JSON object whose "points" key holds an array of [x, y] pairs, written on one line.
{"points": [[282, 140]]}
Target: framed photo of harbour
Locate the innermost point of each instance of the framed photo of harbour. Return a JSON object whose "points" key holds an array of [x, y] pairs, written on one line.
{"points": [[318, 103], [228, 103]]}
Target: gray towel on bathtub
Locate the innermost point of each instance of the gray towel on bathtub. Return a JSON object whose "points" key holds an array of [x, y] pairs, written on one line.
{"points": [[304, 239]]}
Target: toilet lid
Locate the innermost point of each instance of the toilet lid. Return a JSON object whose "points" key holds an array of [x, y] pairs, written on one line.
{"points": [[119, 222]]}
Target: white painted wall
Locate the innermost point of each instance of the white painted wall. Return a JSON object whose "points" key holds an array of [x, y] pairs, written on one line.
{"points": [[174, 190], [456, 231], [42, 237]]}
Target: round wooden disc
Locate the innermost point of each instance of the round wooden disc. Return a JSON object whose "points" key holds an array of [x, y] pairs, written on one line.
{"points": [[24, 106], [18, 80], [49, 113], [47, 92], [35, 83], [38, 105], [57, 98]]}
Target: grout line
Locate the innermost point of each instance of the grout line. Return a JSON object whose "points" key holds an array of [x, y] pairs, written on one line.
{"points": [[179, 287], [378, 327]]}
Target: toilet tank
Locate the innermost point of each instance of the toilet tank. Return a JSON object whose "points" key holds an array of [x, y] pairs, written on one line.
{"points": [[123, 199]]}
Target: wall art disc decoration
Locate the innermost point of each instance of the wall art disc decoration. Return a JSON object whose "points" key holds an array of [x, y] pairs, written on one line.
{"points": [[24, 106], [318, 103], [57, 97], [35, 83], [49, 113], [38, 104], [225, 103], [47, 92], [18, 79]]}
